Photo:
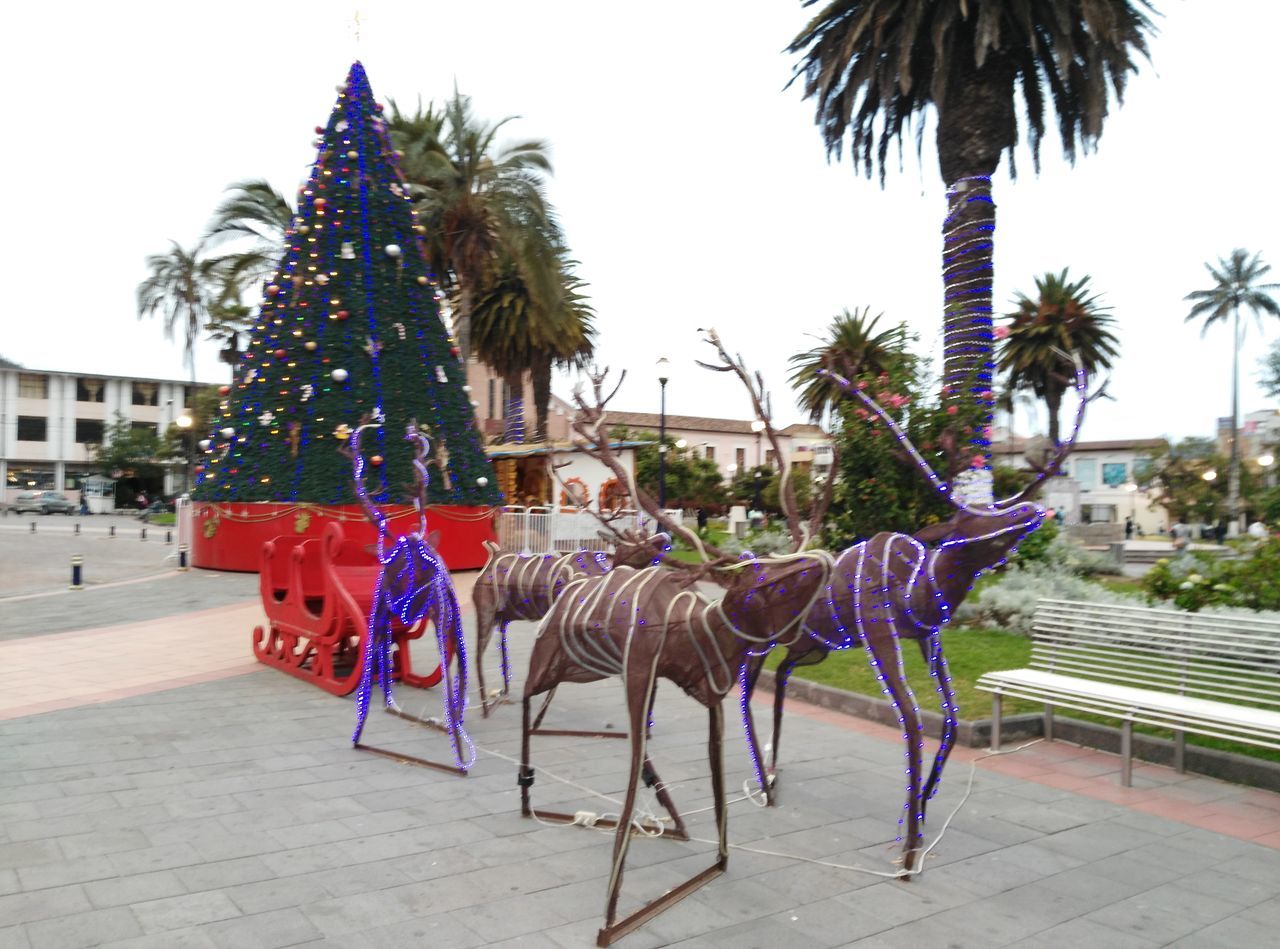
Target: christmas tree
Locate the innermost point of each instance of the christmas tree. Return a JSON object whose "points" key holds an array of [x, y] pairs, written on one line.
{"points": [[350, 326]]}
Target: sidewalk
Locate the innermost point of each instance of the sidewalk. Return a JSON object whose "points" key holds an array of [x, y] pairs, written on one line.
{"points": [[219, 803]]}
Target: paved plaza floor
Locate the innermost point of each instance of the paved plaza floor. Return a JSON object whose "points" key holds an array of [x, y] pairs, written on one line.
{"points": [[158, 788]]}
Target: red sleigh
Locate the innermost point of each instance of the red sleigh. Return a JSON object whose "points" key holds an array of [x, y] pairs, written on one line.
{"points": [[317, 596]]}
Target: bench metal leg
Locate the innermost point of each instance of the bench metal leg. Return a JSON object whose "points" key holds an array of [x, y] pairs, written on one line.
{"points": [[1180, 752], [1126, 753], [1048, 723], [997, 701]]}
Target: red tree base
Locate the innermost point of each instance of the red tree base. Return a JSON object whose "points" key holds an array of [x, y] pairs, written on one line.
{"points": [[229, 536]]}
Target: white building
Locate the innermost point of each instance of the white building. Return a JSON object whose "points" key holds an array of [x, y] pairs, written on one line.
{"points": [[48, 420]]}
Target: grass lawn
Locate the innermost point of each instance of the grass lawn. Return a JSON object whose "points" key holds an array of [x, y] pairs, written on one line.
{"points": [[163, 520], [970, 653], [717, 537]]}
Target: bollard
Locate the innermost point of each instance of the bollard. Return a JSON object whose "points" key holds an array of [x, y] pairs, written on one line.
{"points": [[144, 533], [33, 527], [182, 556], [168, 537], [111, 532], [77, 527], [77, 563]]}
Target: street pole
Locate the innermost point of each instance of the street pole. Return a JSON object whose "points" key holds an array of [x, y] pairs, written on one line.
{"points": [[663, 365]]}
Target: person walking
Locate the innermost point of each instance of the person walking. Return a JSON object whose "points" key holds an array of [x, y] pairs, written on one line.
{"points": [[1128, 528]]}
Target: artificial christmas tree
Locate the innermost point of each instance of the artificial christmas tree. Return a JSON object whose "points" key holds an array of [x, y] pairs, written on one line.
{"points": [[350, 325]]}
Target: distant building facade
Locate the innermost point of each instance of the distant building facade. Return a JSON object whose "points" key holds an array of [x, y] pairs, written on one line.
{"points": [[48, 420]]}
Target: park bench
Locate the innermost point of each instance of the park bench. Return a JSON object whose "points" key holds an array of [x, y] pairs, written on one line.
{"points": [[1209, 675], [317, 595]]}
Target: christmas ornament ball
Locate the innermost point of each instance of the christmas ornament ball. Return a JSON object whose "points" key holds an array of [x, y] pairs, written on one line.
{"points": [[423, 280], [393, 250], [375, 460], [228, 432], [342, 314], [339, 375], [272, 289], [482, 481], [280, 354], [310, 345], [204, 444], [224, 390], [353, 154]]}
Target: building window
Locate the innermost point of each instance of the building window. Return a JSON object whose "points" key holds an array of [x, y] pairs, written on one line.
{"points": [[32, 386], [33, 428], [91, 390], [740, 458], [146, 393], [37, 479], [89, 431], [770, 457], [1114, 473], [709, 452], [1086, 473]]}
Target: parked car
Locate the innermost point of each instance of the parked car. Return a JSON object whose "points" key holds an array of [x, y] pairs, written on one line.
{"points": [[43, 502]]}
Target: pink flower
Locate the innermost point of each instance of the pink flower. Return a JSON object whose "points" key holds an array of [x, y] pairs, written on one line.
{"points": [[1001, 332], [987, 395], [979, 461], [952, 409]]}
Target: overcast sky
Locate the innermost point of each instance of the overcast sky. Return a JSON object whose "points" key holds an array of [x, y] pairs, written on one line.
{"points": [[693, 187]]}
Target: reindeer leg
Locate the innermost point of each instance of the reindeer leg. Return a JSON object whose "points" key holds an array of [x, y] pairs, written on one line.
{"points": [[780, 679], [484, 630], [503, 659], [364, 692], [748, 673], [639, 689], [525, 776], [546, 703], [715, 755], [886, 657], [931, 648], [648, 718]]}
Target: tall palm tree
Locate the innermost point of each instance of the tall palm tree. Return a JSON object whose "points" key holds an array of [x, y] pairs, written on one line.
{"points": [[854, 349], [1063, 320], [183, 287], [1237, 283], [252, 210], [471, 195], [568, 339], [875, 67]]}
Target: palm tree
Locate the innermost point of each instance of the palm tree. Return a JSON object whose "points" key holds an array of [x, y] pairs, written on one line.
{"points": [[1236, 284], [874, 67], [852, 348], [568, 340], [255, 211], [1064, 321], [183, 287], [471, 196]]}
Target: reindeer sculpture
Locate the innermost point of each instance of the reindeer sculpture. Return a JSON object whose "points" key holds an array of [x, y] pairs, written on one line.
{"points": [[516, 586], [413, 585], [642, 625]]}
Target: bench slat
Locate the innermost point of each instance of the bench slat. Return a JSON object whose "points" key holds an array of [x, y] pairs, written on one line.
{"points": [[1251, 648], [1231, 625]]}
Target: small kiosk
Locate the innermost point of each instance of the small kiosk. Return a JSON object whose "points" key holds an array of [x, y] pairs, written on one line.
{"points": [[98, 492]]}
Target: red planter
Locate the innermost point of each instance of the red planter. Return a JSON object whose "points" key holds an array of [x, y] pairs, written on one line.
{"points": [[230, 536]]}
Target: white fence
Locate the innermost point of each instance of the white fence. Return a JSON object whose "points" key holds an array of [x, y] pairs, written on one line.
{"points": [[540, 530]]}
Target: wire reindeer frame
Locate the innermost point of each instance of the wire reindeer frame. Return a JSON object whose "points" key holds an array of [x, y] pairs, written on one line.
{"points": [[413, 586], [644, 624]]}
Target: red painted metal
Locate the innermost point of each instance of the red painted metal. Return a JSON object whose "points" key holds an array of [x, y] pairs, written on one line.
{"points": [[230, 536], [317, 594]]}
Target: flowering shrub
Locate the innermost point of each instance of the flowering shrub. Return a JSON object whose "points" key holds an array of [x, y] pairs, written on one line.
{"points": [[1011, 603], [1249, 579], [771, 540]]}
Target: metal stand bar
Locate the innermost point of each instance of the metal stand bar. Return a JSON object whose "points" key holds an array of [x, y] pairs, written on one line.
{"points": [[1180, 752], [410, 759], [576, 734], [997, 703], [647, 912], [1048, 723], [1126, 753]]}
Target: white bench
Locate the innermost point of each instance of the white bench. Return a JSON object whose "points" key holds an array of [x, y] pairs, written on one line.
{"points": [[1208, 675]]}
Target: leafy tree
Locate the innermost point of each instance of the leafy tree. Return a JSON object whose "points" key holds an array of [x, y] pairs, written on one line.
{"points": [[875, 68], [1063, 320], [1270, 364], [691, 482], [1237, 282], [1176, 475], [132, 456], [853, 348]]}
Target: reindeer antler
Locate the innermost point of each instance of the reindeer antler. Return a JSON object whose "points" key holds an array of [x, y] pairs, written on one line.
{"points": [[351, 449], [761, 405], [421, 449], [592, 438]]}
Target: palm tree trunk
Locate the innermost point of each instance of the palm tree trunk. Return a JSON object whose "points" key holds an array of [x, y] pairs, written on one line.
{"points": [[968, 366], [462, 320], [1233, 467], [1053, 402], [540, 373], [513, 411]]}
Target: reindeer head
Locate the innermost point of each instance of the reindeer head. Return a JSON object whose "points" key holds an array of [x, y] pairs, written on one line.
{"points": [[637, 550]]}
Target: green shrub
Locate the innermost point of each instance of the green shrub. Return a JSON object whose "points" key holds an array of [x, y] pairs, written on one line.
{"points": [[1249, 579]]}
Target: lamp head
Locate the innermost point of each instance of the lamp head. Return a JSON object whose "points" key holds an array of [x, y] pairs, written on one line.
{"points": [[664, 370]]}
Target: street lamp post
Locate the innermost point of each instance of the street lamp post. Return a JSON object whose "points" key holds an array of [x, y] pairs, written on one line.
{"points": [[1265, 461], [664, 367], [757, 426], [757, 480], [185, 422]]}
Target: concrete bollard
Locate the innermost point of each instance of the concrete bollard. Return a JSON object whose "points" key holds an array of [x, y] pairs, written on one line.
{"points": [[111, 531], [182, 556], [168, 537], [77, 564], [77, 527], [144, 533], [33, 527]]}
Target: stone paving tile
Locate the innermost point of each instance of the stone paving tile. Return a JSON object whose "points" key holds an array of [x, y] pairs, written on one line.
{"points": [[179, 912], [173, 939], [1085, 932], [83, 929], [43, 904], [122, 890], [1166, 913], [283, 927], [14, 937]]}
